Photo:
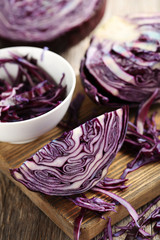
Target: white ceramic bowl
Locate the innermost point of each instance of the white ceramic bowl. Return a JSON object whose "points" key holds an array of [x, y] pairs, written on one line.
{"points": [[29, 130]]}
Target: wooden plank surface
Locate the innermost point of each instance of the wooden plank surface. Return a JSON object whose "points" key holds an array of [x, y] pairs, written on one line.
{"points": [[17, 212]]}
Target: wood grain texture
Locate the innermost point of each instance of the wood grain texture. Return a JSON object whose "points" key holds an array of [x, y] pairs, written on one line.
{"points": [[21, 219]]}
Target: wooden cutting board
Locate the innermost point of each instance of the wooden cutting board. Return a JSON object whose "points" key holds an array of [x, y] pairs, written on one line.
{"points": [[144, 182]]}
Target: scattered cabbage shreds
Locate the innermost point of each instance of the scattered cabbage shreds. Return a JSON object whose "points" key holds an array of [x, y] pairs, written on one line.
{"points": [[77, 223], [94, 204], [122, 201], [122, 62], [135, 232], [143, 138], [143, 112], [147, 147], [78, 160], [31, 93], [98, 205], [132, 231], [107, 231], [112, 184]]}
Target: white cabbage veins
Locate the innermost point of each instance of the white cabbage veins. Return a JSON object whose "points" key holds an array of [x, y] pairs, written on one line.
{"points": [[77, 160]]}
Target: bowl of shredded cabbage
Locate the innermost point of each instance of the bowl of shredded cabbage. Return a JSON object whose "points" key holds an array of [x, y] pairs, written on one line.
{"points": [[36, 88]]}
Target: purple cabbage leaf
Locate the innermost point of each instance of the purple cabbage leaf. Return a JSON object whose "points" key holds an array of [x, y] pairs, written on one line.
{"points": [[143, 138], [148, 216], [77, 223], [122, 201], [121, 64], [78, 160], [98, 205], [94, 204], [107, 231], [112, 184], [63, 23]]}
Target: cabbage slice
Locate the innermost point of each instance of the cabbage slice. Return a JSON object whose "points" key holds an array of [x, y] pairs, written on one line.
{"points": [[78, 160], [57, 24], [122, 62]]}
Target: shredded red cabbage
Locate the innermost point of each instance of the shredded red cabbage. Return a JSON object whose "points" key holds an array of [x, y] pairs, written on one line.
{"points": [[31, 93], [100, 206], [143, 138], [77, 223], [143, 112], [122, 201], [107, 231], [94, 204], [135, 232], [112, 184]]}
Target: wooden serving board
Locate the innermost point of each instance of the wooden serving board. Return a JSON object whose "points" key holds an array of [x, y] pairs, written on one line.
{"points": [[144, 182]]}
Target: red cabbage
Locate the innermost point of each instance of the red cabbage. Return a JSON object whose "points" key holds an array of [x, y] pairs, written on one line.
{"points": [[122, 201], [57, 24], [31, 93], [135, 232], [77, 223], [97, 205], [112, 184], [143, 111], [143, 138], [121, 65], [76, 161], [94, 204], [107, 231], [146, 147]]}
